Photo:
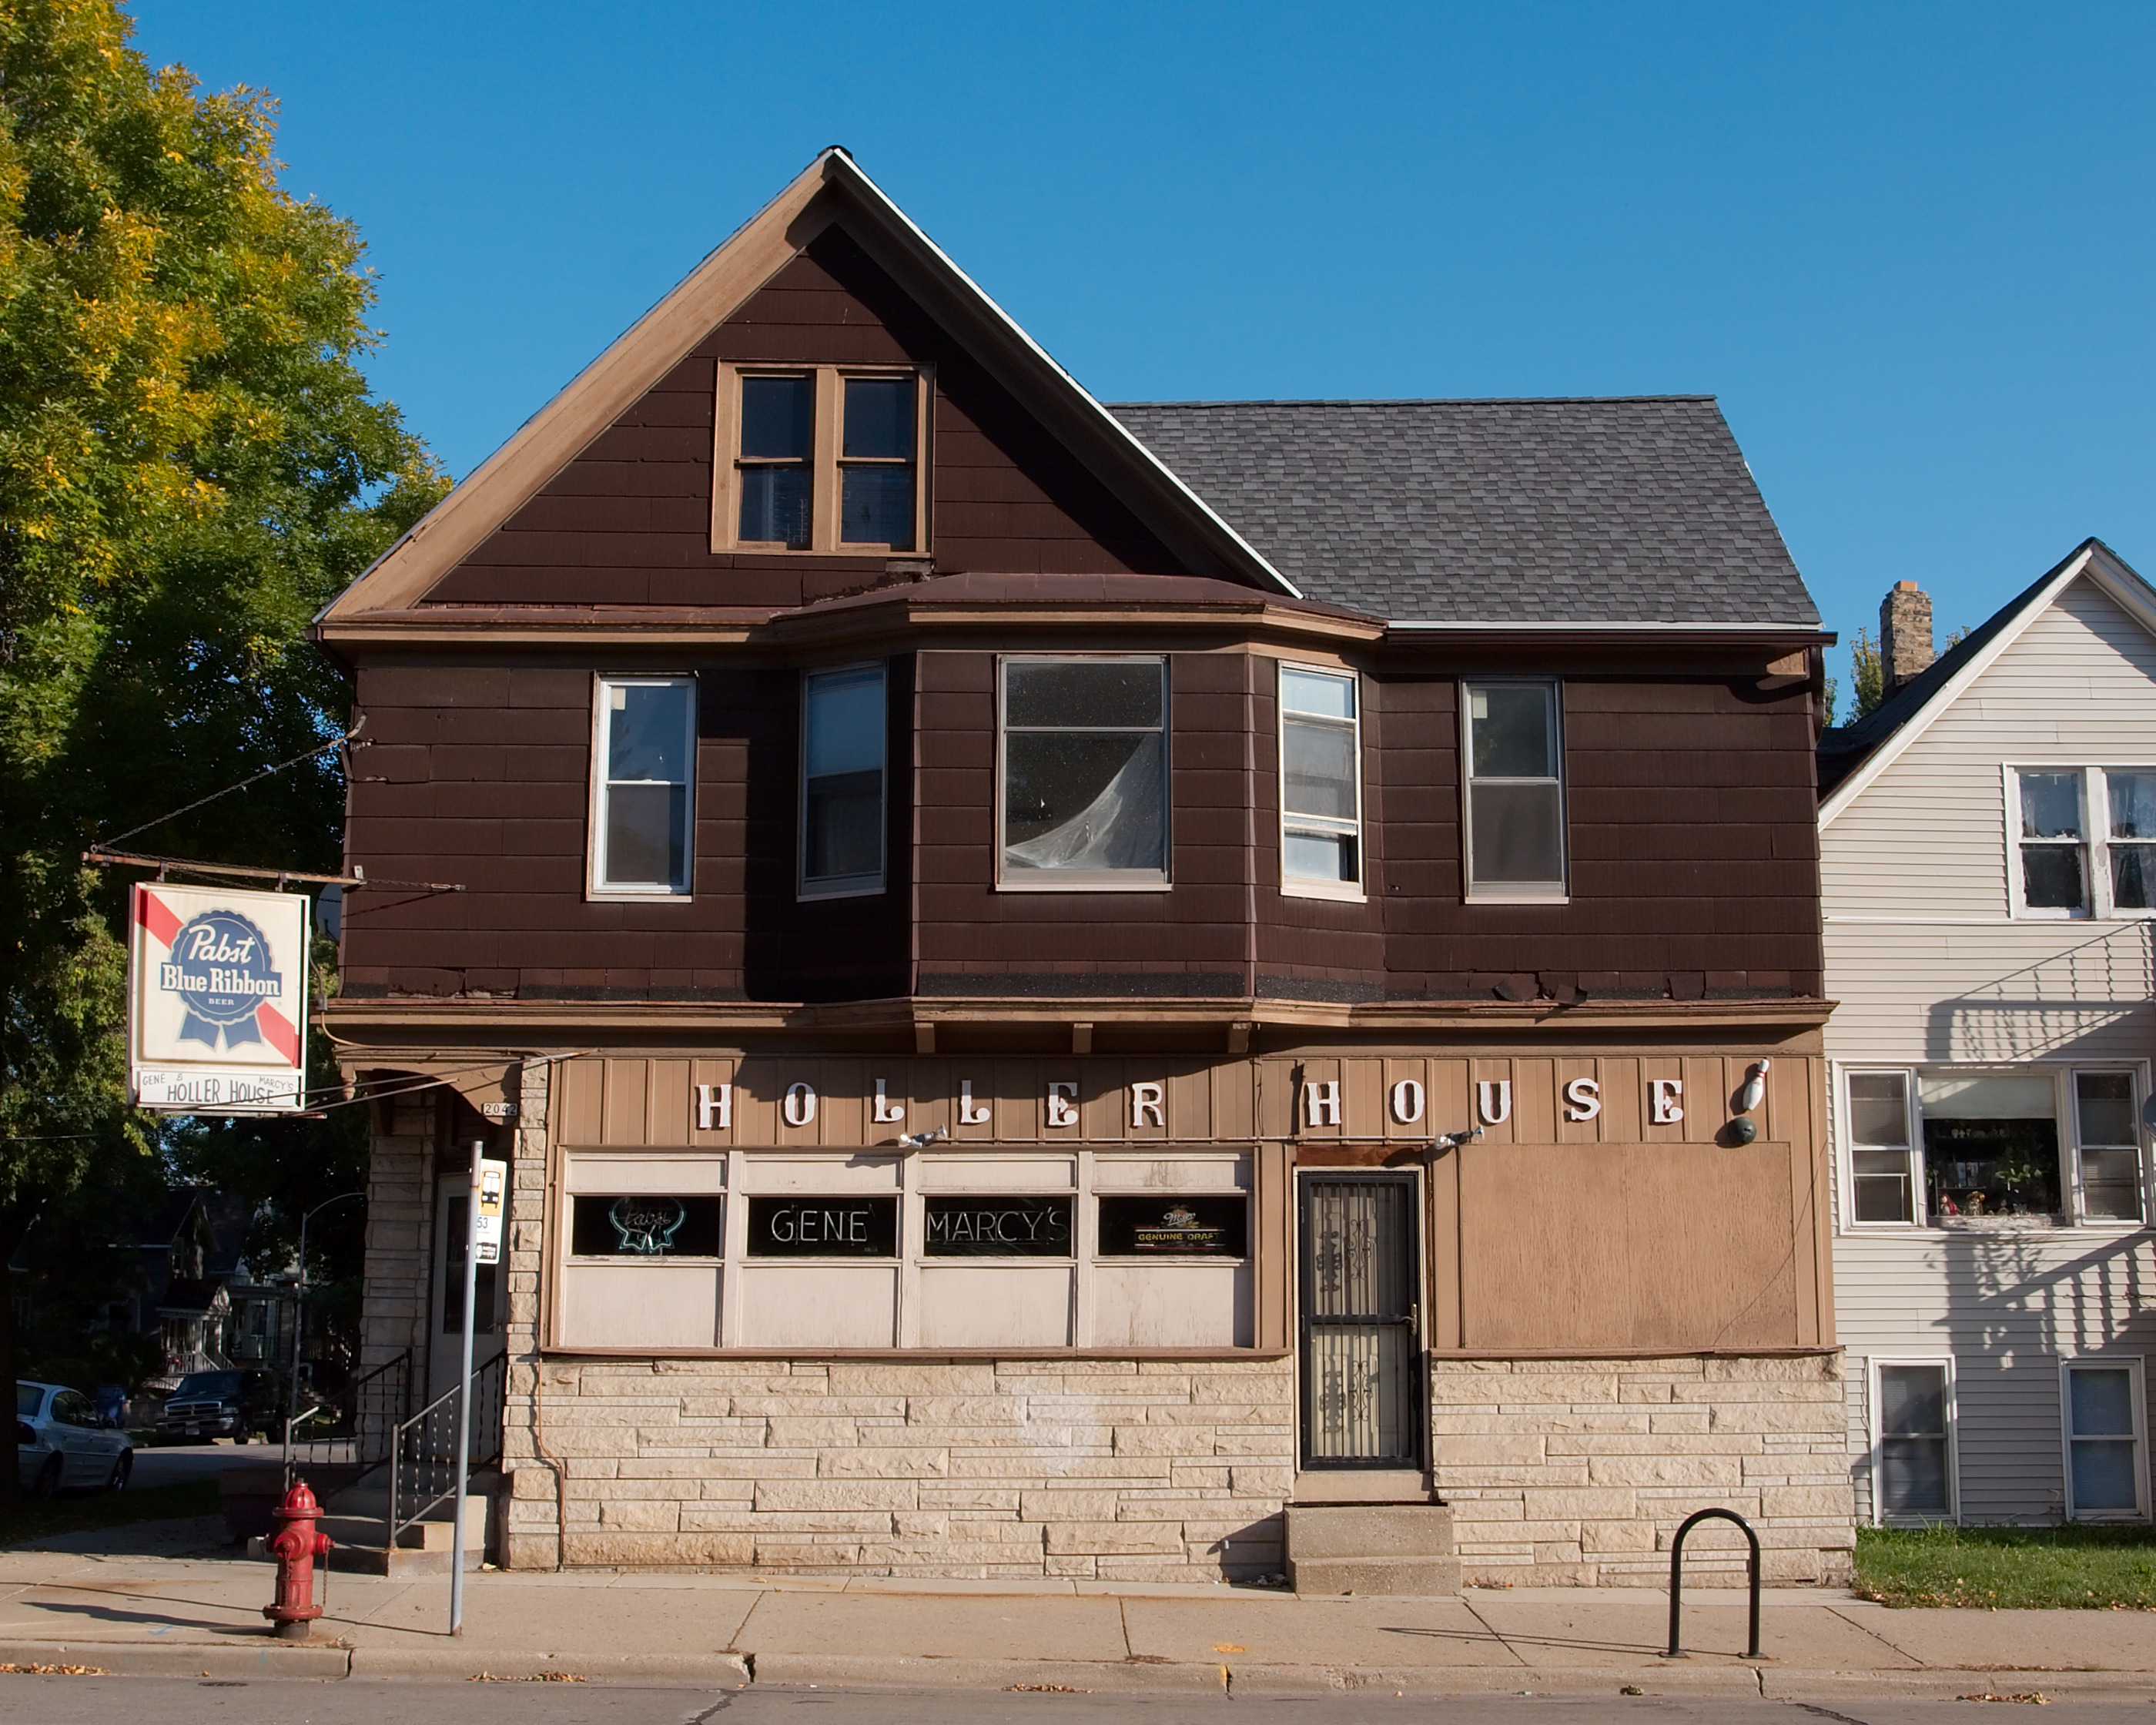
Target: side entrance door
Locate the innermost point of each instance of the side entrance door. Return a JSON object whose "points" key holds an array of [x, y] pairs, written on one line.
{"points": [[445, 1354], [1361, 1341]]}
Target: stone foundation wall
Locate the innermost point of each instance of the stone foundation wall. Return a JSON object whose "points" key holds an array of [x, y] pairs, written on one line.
{"points": [[1578, 1472], [1109, 1470]]}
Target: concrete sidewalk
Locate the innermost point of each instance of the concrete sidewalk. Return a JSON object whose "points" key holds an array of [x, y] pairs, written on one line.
{"points": [[161, 1601]]}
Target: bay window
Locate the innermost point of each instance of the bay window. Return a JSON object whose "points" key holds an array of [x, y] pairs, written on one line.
{"points": [[842, 782], [1083, 747], [1321, 770]]}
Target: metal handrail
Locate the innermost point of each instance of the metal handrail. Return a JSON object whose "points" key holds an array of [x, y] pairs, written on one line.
{"points": [[1676, 1575], [369, 1407], [423, 1454]]}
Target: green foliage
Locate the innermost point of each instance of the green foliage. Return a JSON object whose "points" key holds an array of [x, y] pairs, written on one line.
{"points": [[2082, 1566], [191, 466], [1867, 674], [1829, 698]]}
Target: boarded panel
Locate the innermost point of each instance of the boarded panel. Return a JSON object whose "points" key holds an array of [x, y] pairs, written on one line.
{"points": [[817, 1305], [1674, 1246], [995, 1305], [640, 1306], [1172, 1306]]}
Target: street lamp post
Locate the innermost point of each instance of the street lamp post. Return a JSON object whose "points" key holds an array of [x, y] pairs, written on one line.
{"points": [[299, 1326]]}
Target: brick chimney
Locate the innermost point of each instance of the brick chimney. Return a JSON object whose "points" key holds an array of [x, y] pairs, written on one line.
{"points": [[1905, 635]]}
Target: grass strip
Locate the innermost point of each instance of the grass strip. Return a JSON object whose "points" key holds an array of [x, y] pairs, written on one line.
{"points": [[37, 1520], [2003, 1568]]}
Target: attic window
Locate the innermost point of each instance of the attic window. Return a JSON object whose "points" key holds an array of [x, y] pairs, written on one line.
{"points": [[823, 458]]}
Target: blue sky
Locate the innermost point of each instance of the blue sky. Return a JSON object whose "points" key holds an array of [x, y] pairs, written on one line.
{"points": [[1909, 246]]}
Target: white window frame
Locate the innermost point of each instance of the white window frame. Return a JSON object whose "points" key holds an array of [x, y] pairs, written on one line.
{"points": [[1303, 886], [1880, 1516], [2066, 1101], [1089, 880], [2096, 843], [596, 885], [842, 885], [1915, 1127], [1514, 892], [2132, 1363]]}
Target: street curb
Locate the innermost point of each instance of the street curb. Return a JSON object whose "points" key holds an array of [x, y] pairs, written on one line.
{"points": [[1491, 1680], [1932, 1683], [264, 1659], [724, 1670], [850, 1671]]}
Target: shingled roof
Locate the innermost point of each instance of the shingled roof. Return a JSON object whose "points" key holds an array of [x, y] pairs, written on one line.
{"points": [[1629, 509]]}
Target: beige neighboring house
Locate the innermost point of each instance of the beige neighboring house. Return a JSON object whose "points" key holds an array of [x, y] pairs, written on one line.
{"points": [[1988, 859]]}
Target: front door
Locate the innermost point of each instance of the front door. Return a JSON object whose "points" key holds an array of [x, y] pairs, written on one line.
{"points": [[1361, 1345], [452, 1210]]}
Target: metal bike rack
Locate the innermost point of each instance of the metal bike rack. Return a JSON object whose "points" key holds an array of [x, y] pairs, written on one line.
{"points": [[1676, 1575]]}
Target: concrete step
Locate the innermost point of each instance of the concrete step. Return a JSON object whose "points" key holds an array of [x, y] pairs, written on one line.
{"points": [[360, 1559], [1405, 1577], [1369, 1530]]}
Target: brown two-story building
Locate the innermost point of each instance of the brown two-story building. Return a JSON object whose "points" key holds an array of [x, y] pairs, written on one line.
{"points": [[1057, 980]]}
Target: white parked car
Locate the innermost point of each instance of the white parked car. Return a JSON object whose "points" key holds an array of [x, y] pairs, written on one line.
{"points": [[58, 1442]]}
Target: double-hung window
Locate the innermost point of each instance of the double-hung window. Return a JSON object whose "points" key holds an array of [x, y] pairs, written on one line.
{"points": [[2104, 1409], [2082, 841], [644, 757], [842, 782], [821, 458], [1912, 1441], [1321, 783], [1965, 1147], [1515, 784], [1084, 750]]}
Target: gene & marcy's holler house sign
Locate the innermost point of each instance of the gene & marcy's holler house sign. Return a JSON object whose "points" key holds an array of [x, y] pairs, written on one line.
{"points": [[909, 1104]]}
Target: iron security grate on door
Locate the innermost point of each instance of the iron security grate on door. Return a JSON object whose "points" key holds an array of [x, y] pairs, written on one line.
{"points": [[1362, 1403]]}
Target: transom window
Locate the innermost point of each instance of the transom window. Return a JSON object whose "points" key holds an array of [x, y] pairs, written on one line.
{"points": [[1321, 783], [2081, 840], [821, 458], [1515, 839], [643, 756], [1968, 1147], [1085, 774]]}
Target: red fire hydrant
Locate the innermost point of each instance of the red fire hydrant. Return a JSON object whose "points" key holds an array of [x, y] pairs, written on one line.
{"points": [[296, 1546]]}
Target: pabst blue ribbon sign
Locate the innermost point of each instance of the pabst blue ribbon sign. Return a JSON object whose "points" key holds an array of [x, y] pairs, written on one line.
{"points": [[217, 1001]]}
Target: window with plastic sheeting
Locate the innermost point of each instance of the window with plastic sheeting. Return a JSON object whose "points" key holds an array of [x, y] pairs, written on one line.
{"points": [[1321, 768], [1084, 774], [2106, 1476], [1515, 838], [1912, 1447], [643, 759]]}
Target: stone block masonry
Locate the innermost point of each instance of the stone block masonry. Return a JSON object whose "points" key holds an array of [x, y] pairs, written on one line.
{"points": [[1130, 1470], [1578, 1472]]}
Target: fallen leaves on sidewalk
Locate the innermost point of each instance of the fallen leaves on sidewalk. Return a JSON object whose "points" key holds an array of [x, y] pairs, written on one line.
{"points": [[528, 1677], [55, 1671], [2028, 1697], [1043, 1689]]}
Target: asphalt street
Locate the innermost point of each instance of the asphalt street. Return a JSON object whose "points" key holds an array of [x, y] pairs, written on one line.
{"points": [[155, 1465], [97, 1701]]}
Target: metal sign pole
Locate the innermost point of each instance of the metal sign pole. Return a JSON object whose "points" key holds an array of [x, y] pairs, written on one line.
{"points": [[463, 1399]]}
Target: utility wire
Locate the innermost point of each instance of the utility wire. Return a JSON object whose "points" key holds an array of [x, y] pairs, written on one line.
{"points": [[189, 808]]}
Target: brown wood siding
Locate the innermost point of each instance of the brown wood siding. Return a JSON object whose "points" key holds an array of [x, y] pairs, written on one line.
{"points": [[1694, 852], [628, 523], [479, 775]]}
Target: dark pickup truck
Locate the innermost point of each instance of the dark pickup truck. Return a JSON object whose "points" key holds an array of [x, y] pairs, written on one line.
{"points": [[230, 1403]]}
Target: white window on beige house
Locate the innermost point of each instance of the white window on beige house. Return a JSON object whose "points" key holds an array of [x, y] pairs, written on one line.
{"points": [[2082, 841], [2103, 1414], [1965, 1146], [1913, 1460]]}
